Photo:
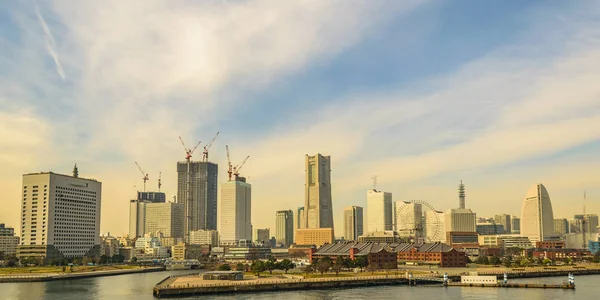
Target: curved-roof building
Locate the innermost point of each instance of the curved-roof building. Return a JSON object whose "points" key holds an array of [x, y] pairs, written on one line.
{"points": [[537, 218]]}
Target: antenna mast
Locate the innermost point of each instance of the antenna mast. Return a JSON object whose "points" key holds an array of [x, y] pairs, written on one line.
{"points": [[374, 177]]}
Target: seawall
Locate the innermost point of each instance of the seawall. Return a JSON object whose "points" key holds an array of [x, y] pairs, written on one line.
{"points": [[71, 276]]}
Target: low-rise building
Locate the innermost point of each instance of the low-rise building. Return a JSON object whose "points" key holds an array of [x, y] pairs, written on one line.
{"points": [[467, 242], [438, 254], [314, 236], [204, 237], [247, 253], [558, 254], [185, 251], [8, 240], [109, 246], [380, 255], [387, 236]]}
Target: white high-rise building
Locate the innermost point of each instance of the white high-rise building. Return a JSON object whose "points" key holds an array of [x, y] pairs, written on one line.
{"points": [[137, 218], [284, 228], [204, 237], [60, 216], [235, 211], [379, 211], [537, 218]]}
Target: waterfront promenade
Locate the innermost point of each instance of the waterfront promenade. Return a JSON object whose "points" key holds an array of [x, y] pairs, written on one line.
{"points": [[25, 277], [194, 284]]}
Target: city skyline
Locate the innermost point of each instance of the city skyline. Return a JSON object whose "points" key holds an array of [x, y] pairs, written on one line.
{"points": [[84, 84]]}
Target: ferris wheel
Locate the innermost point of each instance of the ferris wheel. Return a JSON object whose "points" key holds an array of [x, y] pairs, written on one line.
{"points": [[420, 220]]}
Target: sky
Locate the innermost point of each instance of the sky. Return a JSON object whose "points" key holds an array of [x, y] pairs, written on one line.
{"points": [[499, 94]]}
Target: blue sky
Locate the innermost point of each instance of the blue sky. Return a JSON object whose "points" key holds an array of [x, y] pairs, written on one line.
{"points": [[500, 94]]}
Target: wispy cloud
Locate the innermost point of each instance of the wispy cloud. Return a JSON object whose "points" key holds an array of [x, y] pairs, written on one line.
{"points": [[50, 42]]}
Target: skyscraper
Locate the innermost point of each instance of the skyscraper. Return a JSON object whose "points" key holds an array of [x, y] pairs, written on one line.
{"points": [[166, 218], [587, 224], [515, 226], [318, 205], [60, 216], [504, 219], [300, 218], [537, 218], [561, 227], [201, 209], [262, 236], [379, 211], [235, 203], [152, 196], [284, 227], [353, 223]]}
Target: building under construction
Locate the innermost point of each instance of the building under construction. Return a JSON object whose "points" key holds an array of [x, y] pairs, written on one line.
{"points": [[202, 206]]}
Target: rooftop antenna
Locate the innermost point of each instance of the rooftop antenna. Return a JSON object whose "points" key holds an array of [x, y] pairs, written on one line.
{"points": [[461, 195], [374, 177], [75, 171]]}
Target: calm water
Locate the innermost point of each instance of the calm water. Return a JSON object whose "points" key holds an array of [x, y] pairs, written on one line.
{"points": [[139, 286]]}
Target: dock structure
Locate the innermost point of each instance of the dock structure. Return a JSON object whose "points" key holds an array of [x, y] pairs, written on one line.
{"points": [[514, 285], [173, 286]]}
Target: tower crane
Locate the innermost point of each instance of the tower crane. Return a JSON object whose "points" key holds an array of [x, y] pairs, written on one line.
{"points": [[188, 203], [236, 169], [229, 165], [159, 180], [207, 147], [144, 175]]}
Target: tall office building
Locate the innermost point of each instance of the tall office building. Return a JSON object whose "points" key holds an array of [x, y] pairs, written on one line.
{"points": [[318, 206], [137, 218], [409, 217], [261, 236], [284, 227], [379, 211], [155, 197], [201, 203], [537, 218], [353, 223], [235, 203], [590, 222], [60, 216], [505, 220], [152, 217], [166, 218], [300, 218], [515, 225], [561, 227]]}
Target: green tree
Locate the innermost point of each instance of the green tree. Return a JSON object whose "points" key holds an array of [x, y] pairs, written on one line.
{"points": [[482, 260], [224, 267], [361, 262], [596, 257], [309, 269], [1, 255], [495, 260], [507, 261], [133, 260], [390, 266], [525, 262], [257, 266], [547, 262], [286, 265], [324, 265], [117, 258], [271, 265], [337, 268], [347, 263], [240, 267]]}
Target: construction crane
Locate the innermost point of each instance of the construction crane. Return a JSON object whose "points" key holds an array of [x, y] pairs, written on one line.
{"points": [[159, 180], [188, 203], [144, 174], [207, 147], [236, 169], [229, 165]]}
